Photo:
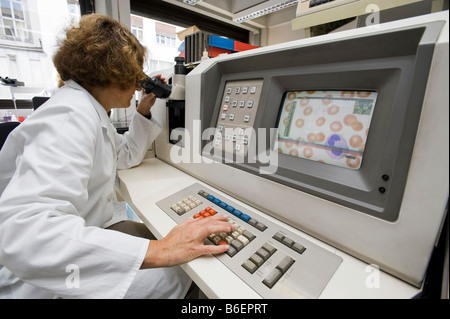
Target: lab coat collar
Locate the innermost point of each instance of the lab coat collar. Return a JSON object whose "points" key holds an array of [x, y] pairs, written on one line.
{"points": [[103, 115]]}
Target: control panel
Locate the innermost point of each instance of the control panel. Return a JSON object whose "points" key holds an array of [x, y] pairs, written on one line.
{"points": [[273, 261], [237, 116]]}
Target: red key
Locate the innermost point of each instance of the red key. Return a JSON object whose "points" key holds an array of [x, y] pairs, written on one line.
{"points": [[212, 212]]}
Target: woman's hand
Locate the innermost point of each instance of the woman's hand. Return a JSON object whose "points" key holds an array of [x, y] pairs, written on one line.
{"points": [[185, 242], [147, 100]]}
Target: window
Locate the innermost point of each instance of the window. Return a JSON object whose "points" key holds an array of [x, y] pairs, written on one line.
{"points": [[165, 40], [138, 32], [160, 39], [29, 31], [14, 25]]}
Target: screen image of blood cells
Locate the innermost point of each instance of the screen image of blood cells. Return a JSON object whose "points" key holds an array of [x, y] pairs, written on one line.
{"points": [[326, 126]]}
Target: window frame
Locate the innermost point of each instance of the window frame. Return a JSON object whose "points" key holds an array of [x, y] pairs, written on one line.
{"points": [[19, 34]]}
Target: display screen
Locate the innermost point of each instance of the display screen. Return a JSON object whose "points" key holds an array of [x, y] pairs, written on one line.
{"points": [[326, 126]]}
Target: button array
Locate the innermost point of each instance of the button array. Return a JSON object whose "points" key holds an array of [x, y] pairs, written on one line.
{"points": [[259, 257], [246, 218], [240, 99], [289, 243], [237, 114], [275, 275], [185, 205], [272, 260]]}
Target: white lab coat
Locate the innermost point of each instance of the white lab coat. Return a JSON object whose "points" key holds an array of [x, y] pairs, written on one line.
{"points": [[59, 170]]}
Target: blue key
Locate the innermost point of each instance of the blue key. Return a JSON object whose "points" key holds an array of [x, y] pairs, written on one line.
{"points": [[210, 198], [223, 204], [229, 208], [237, 213], [217, 201], [245, 218]]}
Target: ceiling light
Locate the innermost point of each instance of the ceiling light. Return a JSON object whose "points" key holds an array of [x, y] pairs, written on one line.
{"points": [[191, 2], [272, 7]]}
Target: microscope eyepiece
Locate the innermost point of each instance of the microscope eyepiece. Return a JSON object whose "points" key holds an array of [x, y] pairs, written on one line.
{"points": [[156, 86]]}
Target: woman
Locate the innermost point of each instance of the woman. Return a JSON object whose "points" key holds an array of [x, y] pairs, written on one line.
{"points": [[57, 177]]}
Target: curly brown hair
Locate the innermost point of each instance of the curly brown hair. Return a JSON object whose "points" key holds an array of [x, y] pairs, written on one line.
{"points": [[100, 52]]}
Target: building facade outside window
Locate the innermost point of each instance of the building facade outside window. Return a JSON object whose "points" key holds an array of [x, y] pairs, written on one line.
{"points": [[14, 24], [29, 31], [160, 39]]}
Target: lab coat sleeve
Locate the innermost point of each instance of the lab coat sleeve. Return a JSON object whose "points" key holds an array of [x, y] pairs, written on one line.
{"points": [[43, 239], [134, 144]]}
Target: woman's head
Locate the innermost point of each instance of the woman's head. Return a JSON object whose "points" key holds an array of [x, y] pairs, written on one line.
{"points": [[100, 52]]}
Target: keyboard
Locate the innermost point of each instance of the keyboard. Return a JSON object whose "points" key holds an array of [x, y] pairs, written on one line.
{"points": [[272, 260]]}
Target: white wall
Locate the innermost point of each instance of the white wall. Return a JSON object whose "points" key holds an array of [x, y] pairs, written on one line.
{"points": [[279, 27]]}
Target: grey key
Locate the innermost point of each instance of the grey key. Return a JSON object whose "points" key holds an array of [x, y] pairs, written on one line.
{"points": [[288, 242], [249, 266], [237, 245], [272, 278], [261, 226], [284, 264], [231, 252], [257, 260], [249, 235], [299, 248], [216, 240], [264, 254], [269, 248], [253, 222], [278, 236], [203, 193]]}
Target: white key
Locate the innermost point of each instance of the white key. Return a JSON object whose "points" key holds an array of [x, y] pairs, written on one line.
{"points": [[243, 240], [235, 234]]}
